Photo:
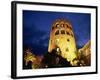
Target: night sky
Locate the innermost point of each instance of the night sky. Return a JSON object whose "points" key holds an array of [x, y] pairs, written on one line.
{"points": [[37, 25]]}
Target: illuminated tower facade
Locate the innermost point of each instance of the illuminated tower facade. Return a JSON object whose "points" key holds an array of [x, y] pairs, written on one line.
{"points": [[62, 40]]}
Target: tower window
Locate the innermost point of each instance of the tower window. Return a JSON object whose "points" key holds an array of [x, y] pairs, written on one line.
{"points": [[57, 25], [51, 41], [62, 32], [67, 49], [67, 33], [68, 40], [52, 28], [62, 25], [69, 27], [72, 35], [57, 32]]}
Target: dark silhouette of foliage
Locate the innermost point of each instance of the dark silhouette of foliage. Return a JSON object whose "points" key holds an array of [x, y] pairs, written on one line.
{"points": [[52, 60]]}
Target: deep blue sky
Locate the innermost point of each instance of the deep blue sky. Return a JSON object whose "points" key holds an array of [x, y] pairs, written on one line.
{"points": [[37, 24]]}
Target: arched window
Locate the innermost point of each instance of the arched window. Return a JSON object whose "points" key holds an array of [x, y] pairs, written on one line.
{"points": [[62, 32], [57, 32], [71, 34], [57, 25], [68, 26], [62, 25], [67, 33], [52, 28]]}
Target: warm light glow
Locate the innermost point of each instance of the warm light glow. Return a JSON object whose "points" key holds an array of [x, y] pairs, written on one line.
{"points": [[63, 39]]}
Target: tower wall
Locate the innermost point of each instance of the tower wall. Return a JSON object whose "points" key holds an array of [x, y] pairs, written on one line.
{"points": [[62, 39]]}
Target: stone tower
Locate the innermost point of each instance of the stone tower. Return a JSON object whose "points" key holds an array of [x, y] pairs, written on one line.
{"points": [[62, 40]]}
